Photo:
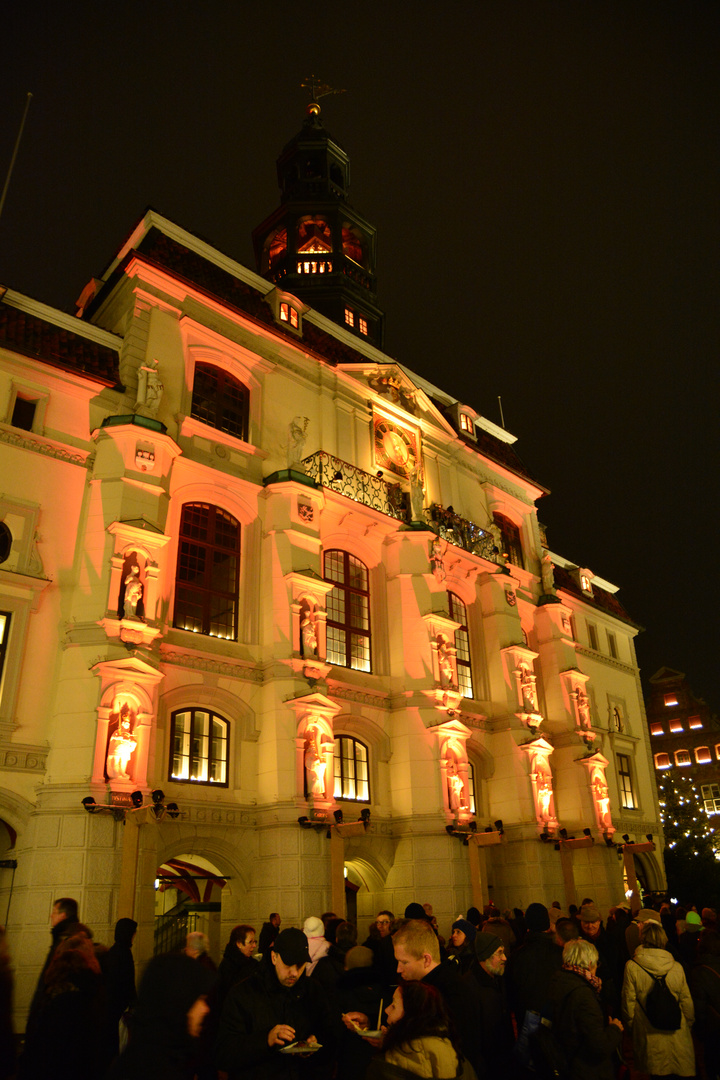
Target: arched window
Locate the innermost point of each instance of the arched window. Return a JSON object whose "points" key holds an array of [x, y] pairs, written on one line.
{"points": [[458, 613], [208, 567], [471, 788], [348, 611], [198, 748], [512, 545], [682, 757], [703, 755], [220, 400], [352, 779]]}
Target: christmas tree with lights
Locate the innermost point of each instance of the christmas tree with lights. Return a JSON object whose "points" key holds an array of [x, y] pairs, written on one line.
{"points": [[692, 848]]}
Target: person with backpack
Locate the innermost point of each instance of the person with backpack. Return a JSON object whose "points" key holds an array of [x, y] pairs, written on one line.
{"points": [[658, 1008]]}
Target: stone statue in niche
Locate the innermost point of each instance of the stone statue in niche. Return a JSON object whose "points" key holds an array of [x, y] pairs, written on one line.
{"points": [[417, 492], [456, 788], [315, 764], [308, 631], [150, 389], [548, 575], [602, 799], [528, 690], [297, 436], [436, 559], [133, 593], [445, 661], [121, 744], [583, 709], [544, 796]]}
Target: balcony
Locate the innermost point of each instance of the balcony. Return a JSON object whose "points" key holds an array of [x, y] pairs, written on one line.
{"points": [[381, 495], [463, 533]]}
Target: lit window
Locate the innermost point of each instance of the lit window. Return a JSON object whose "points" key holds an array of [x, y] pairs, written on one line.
{"points": [[362, 325], [612, 645], [585, 584], [694, 722], [4, 637], [682, 757], [289, 314], [717, 751], [703, 755], [592, 636], [220, 400], [349, 317], [656, 729], [511, 543], [351, 770], [670, 700], [627, 793], [465, 422], [199, 748], [711, 798], [662, 761], [348, 611], [675, 727], [293, 317], [458, 613], [471, 788], [208, 566]]}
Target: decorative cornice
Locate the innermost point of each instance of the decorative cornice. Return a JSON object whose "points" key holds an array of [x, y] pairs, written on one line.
{"points": [[346, 693], [603, 659], [47, 449], [235, 670], [23, 757]]}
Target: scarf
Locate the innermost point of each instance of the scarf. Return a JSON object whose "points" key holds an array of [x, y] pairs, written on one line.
{"points": [[587, 975]]}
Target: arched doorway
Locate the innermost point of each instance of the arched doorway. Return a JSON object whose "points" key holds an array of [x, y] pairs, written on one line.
{"points": [[188, 891]]}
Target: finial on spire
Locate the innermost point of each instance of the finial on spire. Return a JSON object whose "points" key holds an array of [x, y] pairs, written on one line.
{"points": [[317, 90]]}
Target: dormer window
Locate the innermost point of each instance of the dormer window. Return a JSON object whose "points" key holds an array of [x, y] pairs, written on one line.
{"points": [[586, 584], [349, 317], [466, 423], [694, 722], [288, 314], [670, 700]]}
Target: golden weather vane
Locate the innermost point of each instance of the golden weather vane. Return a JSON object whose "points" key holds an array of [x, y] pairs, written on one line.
{"points": [[318, 90]]}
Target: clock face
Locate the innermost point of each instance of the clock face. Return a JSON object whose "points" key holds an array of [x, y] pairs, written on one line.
{"points": [[395, 448]]}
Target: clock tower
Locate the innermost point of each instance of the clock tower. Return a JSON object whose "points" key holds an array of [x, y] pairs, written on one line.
{"points": [[316, 245]]}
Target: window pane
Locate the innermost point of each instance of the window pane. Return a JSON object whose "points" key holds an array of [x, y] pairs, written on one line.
{"points": [[350, 770], [335, 645], [199, 747], [181, 747], [208, 571], [348, 611]]}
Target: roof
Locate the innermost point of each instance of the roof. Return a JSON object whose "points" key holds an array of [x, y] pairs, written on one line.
{"points": [[602, 599], [204, 274], [40, 339]]}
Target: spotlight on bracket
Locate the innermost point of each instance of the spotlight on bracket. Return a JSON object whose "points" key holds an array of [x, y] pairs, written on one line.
{"points": [[587, 832], [545, 835], [90, 805], [499, 826], [608, 840], [626, 838], [157, 796], [649, 836], [564, 834], [338, 815], [137, 799], [173, 810], [450, 830], [304, 822], [472, 825], [365, 816]]}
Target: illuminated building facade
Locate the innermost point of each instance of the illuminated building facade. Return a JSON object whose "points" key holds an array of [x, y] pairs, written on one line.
{"points": [[685, 740], [250, 563]]}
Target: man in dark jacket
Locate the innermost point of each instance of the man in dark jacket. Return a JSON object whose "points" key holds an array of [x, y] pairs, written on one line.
{"points": [[268, 932], [592, 930], [237, 963], [485, 981], [118, 969], [271, 1011], [532, 966], [579, 1028]]}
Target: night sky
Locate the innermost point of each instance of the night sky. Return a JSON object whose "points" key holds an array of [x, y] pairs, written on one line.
{"points": [[544, 181]]}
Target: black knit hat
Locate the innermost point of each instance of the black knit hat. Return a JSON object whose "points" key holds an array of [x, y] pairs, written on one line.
{"points": [[486, 944], [537, 918]]}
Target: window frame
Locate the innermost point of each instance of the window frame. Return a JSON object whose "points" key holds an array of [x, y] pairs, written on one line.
{"points": [[683, 764], [708, 795], [205, 592], [626, 786], [593, 641], [225, 381], [664, 764], [339, 758], [350, 631], [512, 539], [462, 634], [213, 717]]}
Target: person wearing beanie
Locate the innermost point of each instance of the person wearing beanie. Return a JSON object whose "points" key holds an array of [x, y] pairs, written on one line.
{"points": [[461, 944], [473, 916], [592, 930], [318, 945], [532, 966], [688, 941], [486, 976]]}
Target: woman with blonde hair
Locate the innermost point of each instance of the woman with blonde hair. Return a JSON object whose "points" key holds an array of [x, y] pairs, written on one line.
{"points": [[656, 1051], [578, 1025]]}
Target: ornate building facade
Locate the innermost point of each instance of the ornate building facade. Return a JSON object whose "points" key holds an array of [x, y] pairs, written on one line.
{"points": [[281, 611]]}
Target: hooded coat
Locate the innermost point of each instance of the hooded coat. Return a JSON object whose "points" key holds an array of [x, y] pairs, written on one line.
{"points": [[430, 1057], [658, 1052]]}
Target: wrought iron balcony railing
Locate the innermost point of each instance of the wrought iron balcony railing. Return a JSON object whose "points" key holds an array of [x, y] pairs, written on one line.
{"points": [[463, 533], [336, 474]]}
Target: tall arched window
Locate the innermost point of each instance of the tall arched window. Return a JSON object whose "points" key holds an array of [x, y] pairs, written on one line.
{"points": [[220, 400], [198, 747], [208, 568], [352, 779], [512, 545], [458, 613], [348, 611]]}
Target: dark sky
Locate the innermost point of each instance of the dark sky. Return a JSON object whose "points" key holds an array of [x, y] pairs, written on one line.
{"points": [[544, 180]]}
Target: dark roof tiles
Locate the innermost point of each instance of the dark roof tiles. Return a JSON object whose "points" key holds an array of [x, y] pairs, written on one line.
{"points": [[32, 336]]}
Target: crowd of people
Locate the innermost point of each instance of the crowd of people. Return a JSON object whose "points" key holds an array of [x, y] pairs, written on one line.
{"points": [[511, 995]]}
